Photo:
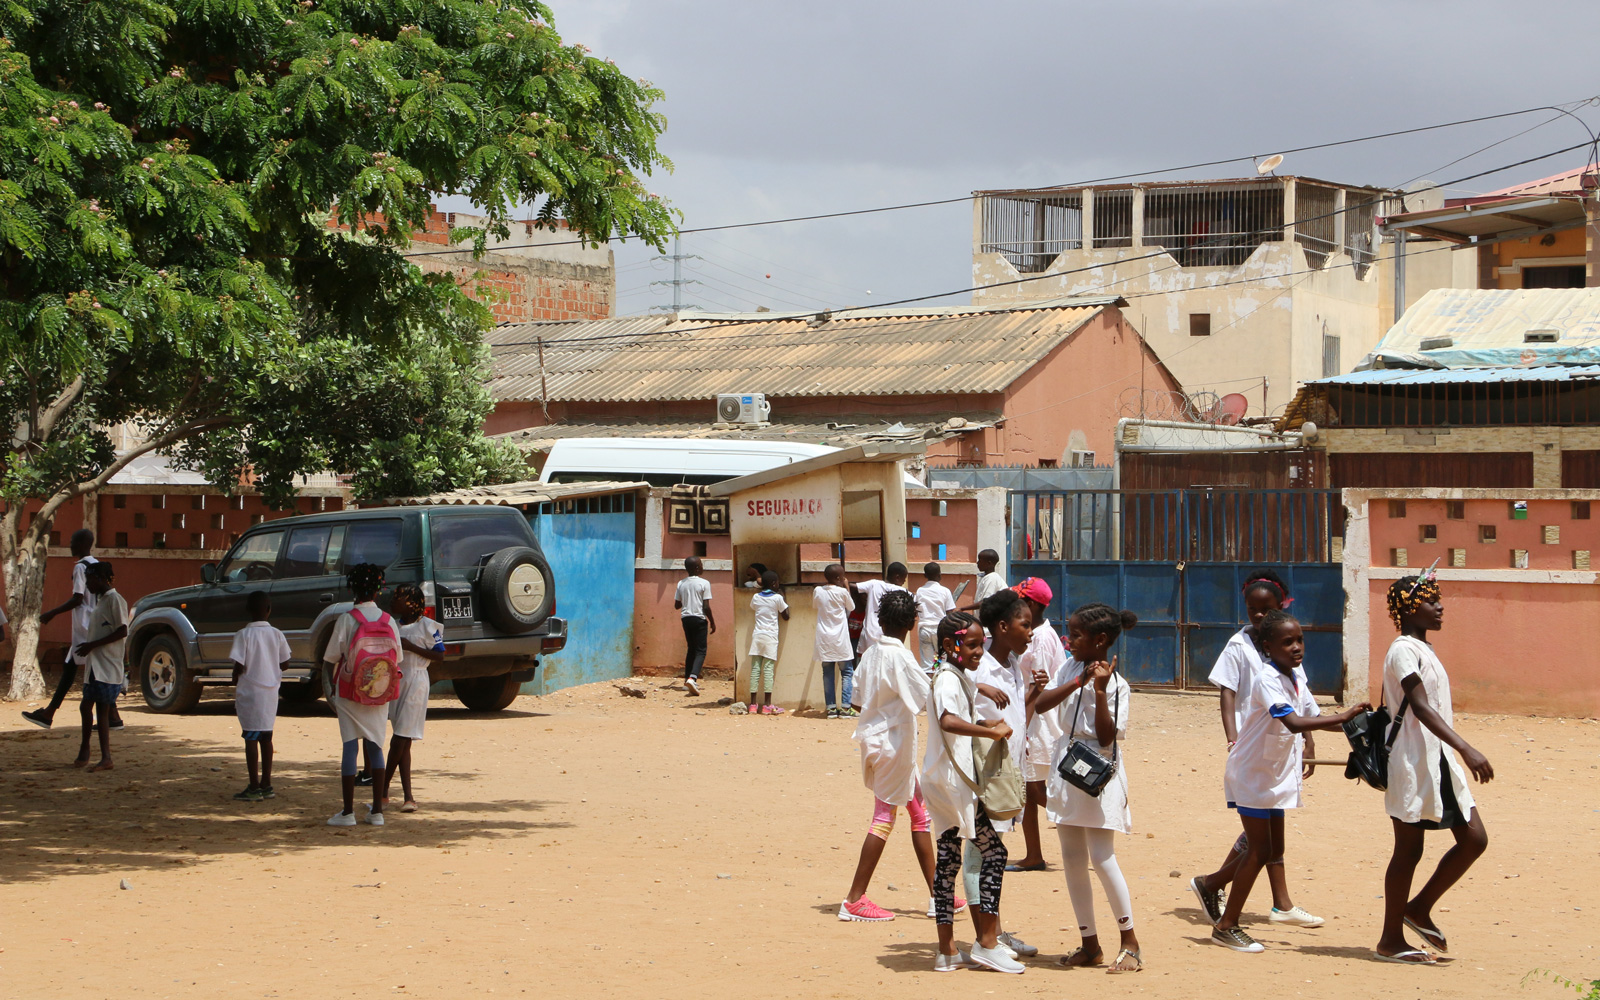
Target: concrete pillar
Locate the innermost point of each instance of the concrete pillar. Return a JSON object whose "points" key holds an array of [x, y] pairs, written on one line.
{"points": [[1138, 216], [993, 530], [1339, 230], [1547, 465], [1289, 209], [893, 516], [977, 225], [1087, 200]]}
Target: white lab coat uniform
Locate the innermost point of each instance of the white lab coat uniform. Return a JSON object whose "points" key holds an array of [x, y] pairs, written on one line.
{"points": [[1416, 782], [1263, 770], [951, 802], [1066, 804], [892, 690]]}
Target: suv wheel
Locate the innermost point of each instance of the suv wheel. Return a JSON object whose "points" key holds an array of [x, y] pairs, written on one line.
{"points": [[164, 676], [487, 694], [517, 590]]}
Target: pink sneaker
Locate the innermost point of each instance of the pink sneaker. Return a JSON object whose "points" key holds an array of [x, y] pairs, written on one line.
{"points": [[864, 910]]}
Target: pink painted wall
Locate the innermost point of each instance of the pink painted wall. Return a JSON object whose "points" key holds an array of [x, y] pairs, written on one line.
{"points": [[1513, 646], [658, 646]]}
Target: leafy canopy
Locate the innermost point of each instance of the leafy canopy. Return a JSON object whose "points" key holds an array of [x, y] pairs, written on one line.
{"points": [[204, 206]]}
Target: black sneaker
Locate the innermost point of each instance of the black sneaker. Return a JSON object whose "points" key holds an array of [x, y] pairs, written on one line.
{"points": [[833, 713], [117, 723], [1236, 939], [364, 779], [39, 717], [1210, 900], [248, 795], [267, 792]]}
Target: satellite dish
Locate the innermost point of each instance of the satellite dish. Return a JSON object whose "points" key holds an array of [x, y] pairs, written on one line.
{"points": [[1270, 164], [1231, 407], [1423, 196]]}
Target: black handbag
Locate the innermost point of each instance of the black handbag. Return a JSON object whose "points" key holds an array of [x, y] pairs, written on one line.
{"points": [[1082, 766], [1371, 734]]}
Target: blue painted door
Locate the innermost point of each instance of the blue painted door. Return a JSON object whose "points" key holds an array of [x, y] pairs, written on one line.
{"points": [[590, 545], [1148, 654]]}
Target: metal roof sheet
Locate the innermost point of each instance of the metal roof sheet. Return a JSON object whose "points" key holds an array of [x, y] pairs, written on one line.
{"points": [[1457, 376], [1487, 327], [840, 432], [514, 494], [863, 352]]}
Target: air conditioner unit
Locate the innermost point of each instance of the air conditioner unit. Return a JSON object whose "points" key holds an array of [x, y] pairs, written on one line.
{"points": [[742, 408]]}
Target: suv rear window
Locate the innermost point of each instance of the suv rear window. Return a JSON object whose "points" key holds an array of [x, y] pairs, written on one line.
{"points": [[461, 543], [375, 542]]}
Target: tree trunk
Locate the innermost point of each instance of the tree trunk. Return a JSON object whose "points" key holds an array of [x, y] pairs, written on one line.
{"points": [[24, 563]]}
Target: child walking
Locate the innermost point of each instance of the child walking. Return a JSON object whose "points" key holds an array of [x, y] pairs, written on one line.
{"points": [[360, 726], [421, 643], [693, 601], [934, 601], [1264, 775], [81, 606], [949, 778], [102, 652], [769, 607], [1087, 824], [1264, 591], [894, 691], [833, 604], [259, 654], [1428, 789], [1045, 656]]}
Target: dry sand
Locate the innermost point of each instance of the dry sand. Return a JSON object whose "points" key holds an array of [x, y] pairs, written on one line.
{"points": [[589, 844]]}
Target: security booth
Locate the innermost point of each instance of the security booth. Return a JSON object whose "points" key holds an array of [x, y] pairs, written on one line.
{"points": [[796, 519]]}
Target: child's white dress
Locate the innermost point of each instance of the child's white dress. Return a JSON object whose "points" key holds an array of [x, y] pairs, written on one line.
{"points": [[356, 721], [764, 636], [261, 649], [1068, 805], [408, 714], [892, 690], [1263, 771], [951, 803], [1416, 782]]}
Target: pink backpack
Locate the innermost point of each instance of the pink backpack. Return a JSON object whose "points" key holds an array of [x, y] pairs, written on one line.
{"points": [[369, 673]]}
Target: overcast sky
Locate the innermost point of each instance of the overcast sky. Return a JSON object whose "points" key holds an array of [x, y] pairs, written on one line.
{"points": [[781, 109]]}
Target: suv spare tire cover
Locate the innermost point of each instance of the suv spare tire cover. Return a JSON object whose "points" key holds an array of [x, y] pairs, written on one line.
{"points": [[517, 589]]}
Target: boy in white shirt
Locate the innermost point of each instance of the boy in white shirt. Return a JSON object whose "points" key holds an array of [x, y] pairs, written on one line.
{"points": [[894, 578], [102, 652], [80, 605], [934, 601], [259, 654], [833, 604], [990, 583], [693, 601]]}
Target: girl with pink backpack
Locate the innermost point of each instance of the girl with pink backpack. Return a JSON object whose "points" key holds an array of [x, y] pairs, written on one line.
{"points": [[365, 649]]}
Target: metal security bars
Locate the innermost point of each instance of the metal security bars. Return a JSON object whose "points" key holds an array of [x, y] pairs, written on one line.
{"points": [[1216, 226], [1031, 232], [1316, 209], [1265, 526]]}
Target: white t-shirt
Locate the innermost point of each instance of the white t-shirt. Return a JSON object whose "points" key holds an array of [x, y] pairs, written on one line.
{"points": [[1416, 783], [693, 593], [767, 605], [990, 584], [105, 662], [1067, 804], [83, 613], [833, 606], [871, 630], [1263, 771], [951, 802], [1046, 653], [261, 649], [933, 603], [892, 691]]}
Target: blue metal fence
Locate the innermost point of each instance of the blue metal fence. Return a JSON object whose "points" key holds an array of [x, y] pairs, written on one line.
{"points": [[590, 545], [1177, 559]]}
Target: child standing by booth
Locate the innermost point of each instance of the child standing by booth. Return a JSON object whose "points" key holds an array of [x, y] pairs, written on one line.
{"points": [[1428, 789], [894, 578], [1264, 776], [769, 607], [259, 654], [934, 601], [834, 650]]}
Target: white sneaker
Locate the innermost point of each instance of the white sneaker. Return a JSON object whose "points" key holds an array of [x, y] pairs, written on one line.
{"points": [[375, 818], [1295, 917], [952, 963], [342, 819], [692, 684], [1019, 947], [997, 959]]}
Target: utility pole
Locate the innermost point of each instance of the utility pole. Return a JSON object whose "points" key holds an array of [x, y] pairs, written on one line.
{"points": [[678, 280]]}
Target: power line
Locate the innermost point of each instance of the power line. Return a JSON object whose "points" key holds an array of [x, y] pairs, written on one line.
{"points": [[1071, 184]]}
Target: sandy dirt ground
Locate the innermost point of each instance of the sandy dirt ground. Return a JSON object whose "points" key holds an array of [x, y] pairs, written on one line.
{"points": [[590, 844]]}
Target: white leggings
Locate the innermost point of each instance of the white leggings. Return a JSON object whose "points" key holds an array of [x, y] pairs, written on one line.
{"points": [[1079, 847]]}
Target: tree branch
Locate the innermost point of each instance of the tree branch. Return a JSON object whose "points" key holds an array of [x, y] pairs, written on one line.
{"points": [[172, 436], [45, 422]]}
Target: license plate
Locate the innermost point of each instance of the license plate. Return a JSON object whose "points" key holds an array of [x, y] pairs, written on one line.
{"points": [[456, 609]]}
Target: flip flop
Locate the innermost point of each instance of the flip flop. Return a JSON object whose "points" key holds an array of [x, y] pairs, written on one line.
{"points": [[1069, 960], [1138, 963], [1041, 866], [1430, 935], [1413, 956]]}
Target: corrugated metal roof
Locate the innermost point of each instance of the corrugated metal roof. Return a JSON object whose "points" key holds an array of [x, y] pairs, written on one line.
{"points": [[1476, 328], [514, 494], [840, 432], [1449, 376], [863, 352]]}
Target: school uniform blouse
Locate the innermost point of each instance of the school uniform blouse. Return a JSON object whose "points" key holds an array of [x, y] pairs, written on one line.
{"points": [[1235, 665], [1068, 805], [951, 802], [893, 691], [1263, 770], [1415, 779], [1044, 653]]}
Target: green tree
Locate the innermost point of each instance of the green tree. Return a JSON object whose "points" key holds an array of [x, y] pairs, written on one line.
{"points": [[204, 207]]}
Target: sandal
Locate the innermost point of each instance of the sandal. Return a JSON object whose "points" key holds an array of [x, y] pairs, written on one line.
{"points": [[1117, 966], [1412, 956], [1074, 960], [1430, 935]]}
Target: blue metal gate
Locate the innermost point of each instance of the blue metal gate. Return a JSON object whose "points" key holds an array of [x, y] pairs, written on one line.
{"points": [[589, 542], [1177, 559]]}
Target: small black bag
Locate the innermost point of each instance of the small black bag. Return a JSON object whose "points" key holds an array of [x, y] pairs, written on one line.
{"points": [[1369, 745], [1082, 766]]}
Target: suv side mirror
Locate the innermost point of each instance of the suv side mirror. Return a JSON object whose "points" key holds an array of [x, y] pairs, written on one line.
{"points": [[208, 573]]}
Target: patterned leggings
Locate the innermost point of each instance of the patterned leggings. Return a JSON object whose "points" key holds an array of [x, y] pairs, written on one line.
{"points": [[949, 868]]}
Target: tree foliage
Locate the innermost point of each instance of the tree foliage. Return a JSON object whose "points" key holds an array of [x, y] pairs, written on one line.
{"points": [[204, 210]]}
